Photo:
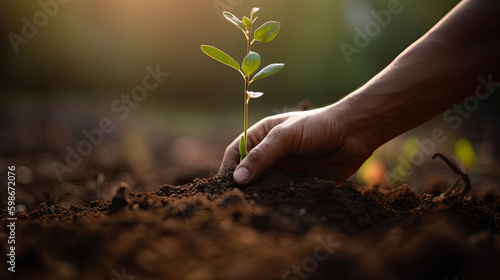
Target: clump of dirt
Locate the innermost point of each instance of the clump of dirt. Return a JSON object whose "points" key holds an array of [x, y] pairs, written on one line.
{"points": [[285, 226]]}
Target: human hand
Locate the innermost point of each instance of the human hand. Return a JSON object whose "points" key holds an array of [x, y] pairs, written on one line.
{"points": [[320, 142]]}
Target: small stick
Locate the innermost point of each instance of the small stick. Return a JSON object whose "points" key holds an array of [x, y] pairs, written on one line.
{"points": [[460, 170], [452, 188]]}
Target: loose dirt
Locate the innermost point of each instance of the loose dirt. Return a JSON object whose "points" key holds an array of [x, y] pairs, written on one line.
{"points": [[285, 226]]}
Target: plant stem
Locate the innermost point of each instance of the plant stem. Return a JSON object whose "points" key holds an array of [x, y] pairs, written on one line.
{"points": [[245, 117], [249, 44], [245, 95]]}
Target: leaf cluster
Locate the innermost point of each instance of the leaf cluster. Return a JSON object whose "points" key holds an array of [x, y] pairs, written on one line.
{"points": [[251, 62]]}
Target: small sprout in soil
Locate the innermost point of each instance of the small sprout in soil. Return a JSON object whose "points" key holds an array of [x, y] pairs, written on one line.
{"points": [[458, 168], [251, 62]]}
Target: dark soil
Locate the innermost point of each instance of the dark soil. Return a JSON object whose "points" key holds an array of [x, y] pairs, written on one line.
{"points": [[285, 226]]}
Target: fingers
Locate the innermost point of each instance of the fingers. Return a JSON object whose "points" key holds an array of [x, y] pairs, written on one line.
{"points": [[273, 147], [255, 134], [231, 156], [262, 155]]}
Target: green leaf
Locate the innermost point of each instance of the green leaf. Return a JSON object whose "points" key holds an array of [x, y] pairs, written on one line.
{"points": [[267, 31], [247, 22], [220, 56], [268, 71], [243, 147], [250, 63], [252, 13], [234, 20]]}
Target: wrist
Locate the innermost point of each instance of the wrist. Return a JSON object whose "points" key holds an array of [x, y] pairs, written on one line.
{"points": [[356, 115]]}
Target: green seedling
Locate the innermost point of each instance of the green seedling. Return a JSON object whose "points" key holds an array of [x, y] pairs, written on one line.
{"points": [[265, 33]]}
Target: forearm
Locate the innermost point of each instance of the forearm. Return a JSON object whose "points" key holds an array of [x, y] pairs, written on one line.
{"points": [[438, 70]]}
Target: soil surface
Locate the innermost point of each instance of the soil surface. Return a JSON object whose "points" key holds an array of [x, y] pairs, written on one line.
{"points": [[285, 226]]}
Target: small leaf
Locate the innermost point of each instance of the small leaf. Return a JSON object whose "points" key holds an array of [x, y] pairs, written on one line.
{"points": [[268, 71], [220, 56], [252, 13], [234, 20], [267, 31], [250, 63], [247, 22], [243, 147], [253, 94]]}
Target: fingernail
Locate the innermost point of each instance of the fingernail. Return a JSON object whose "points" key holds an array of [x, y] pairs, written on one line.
{"points": [[241, 175]]}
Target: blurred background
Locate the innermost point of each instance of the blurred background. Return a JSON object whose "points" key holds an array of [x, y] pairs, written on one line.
{"points": [[67, 68]]}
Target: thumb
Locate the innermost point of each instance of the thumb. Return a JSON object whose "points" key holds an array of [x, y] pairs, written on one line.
{"points": [[272, 148]]}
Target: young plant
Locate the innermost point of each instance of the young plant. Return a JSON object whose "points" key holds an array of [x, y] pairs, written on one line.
{"points": [[265, 33]]}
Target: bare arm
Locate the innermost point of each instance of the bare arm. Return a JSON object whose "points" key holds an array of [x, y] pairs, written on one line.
{"points": [[439, 69]]}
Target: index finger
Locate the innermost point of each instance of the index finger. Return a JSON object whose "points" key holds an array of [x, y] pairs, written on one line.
{"points": [[256, 133]]}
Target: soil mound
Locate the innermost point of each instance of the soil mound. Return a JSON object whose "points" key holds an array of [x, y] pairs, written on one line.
{"points": [[285, 226]]}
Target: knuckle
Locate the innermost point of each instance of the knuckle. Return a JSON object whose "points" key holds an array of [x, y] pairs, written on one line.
{"points": [[280, 135], [231, 156], [276, 132], [229, 150], [257, 155]]}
